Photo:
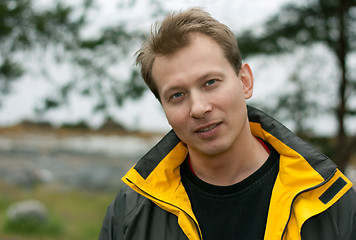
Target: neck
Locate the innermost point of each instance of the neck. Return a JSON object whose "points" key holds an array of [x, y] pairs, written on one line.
{"points": [[232, 166]]}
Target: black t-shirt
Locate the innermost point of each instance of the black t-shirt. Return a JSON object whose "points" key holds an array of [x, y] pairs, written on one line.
{"points": [[233, 212]]}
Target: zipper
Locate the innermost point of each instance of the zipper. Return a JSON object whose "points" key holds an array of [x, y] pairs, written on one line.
{"points": [[301, 192], [196, 225]]}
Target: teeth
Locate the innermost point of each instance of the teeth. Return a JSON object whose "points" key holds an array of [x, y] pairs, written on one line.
{"points": [[208, 128]]}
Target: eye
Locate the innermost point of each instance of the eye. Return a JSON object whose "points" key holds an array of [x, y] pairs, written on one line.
{"points": [[210, 82], [176, 95]]}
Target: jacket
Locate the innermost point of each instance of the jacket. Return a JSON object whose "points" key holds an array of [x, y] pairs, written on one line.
{"points": [[311, 198]]}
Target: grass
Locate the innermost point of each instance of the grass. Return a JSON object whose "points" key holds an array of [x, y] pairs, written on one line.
{"points": [[74, 214], [34, 227]]}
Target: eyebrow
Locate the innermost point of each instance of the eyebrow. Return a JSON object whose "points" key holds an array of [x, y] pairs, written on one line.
{"points": [[210, 74], [201, 78]]}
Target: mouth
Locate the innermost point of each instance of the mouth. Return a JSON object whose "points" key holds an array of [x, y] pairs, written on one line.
{"points": [[206, 129]]}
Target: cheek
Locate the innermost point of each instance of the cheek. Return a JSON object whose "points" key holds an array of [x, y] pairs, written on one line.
{"points": [[231, 103], [175, 118], [229, 98]]}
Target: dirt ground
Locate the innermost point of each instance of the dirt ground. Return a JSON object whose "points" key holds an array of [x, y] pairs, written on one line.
{"points": [[31, 154]]}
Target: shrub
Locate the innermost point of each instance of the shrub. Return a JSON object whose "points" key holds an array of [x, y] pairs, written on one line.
{"points": [[31, 226]]}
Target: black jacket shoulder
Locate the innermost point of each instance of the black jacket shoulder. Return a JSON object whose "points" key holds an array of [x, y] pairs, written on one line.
{"points": [[130, 211], [337, 222]]}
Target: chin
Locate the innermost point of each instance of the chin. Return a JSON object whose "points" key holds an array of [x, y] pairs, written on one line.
{"points": [[213, 150]]}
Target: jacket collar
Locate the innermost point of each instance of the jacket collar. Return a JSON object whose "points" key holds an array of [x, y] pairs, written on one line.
{"points": [[157, 177], [263, 126], [301, 166], [287, 143]]}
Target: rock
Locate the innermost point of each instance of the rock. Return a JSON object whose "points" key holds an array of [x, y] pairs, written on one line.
{"points": [[27, 210]]}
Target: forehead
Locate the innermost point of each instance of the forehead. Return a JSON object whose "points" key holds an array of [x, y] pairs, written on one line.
{"points": [[201, 56]]}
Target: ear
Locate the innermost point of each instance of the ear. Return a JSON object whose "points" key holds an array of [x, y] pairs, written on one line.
{"points": [[247, 80]]}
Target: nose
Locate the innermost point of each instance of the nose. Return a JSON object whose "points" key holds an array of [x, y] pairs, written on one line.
{"points": [[199, 106]]}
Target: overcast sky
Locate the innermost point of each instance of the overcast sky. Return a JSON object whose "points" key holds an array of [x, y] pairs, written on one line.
{"points": [[146, 113]]}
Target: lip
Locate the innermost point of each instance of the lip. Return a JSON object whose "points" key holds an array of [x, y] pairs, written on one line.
{"points": [[209, 129]]}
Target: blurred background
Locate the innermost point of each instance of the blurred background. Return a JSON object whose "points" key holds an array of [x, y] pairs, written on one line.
{"points": [[75, 114]]}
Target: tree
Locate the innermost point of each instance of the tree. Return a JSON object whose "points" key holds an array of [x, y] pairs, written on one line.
{"points": [[327, 22], [23, 29], [58, 30]]}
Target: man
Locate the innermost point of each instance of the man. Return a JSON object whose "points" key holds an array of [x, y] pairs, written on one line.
{"points": [[226, 170]]}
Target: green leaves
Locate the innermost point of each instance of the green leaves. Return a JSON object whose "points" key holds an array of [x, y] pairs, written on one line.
{"points": [[304, 25], [317, 21], [55, 31]]}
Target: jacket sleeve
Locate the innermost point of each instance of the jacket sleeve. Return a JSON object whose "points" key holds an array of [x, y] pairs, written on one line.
{"points": [[113, 226], [337, 222]]}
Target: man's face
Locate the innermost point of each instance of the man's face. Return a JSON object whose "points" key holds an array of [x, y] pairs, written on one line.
{"points": [[202, 96]]}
